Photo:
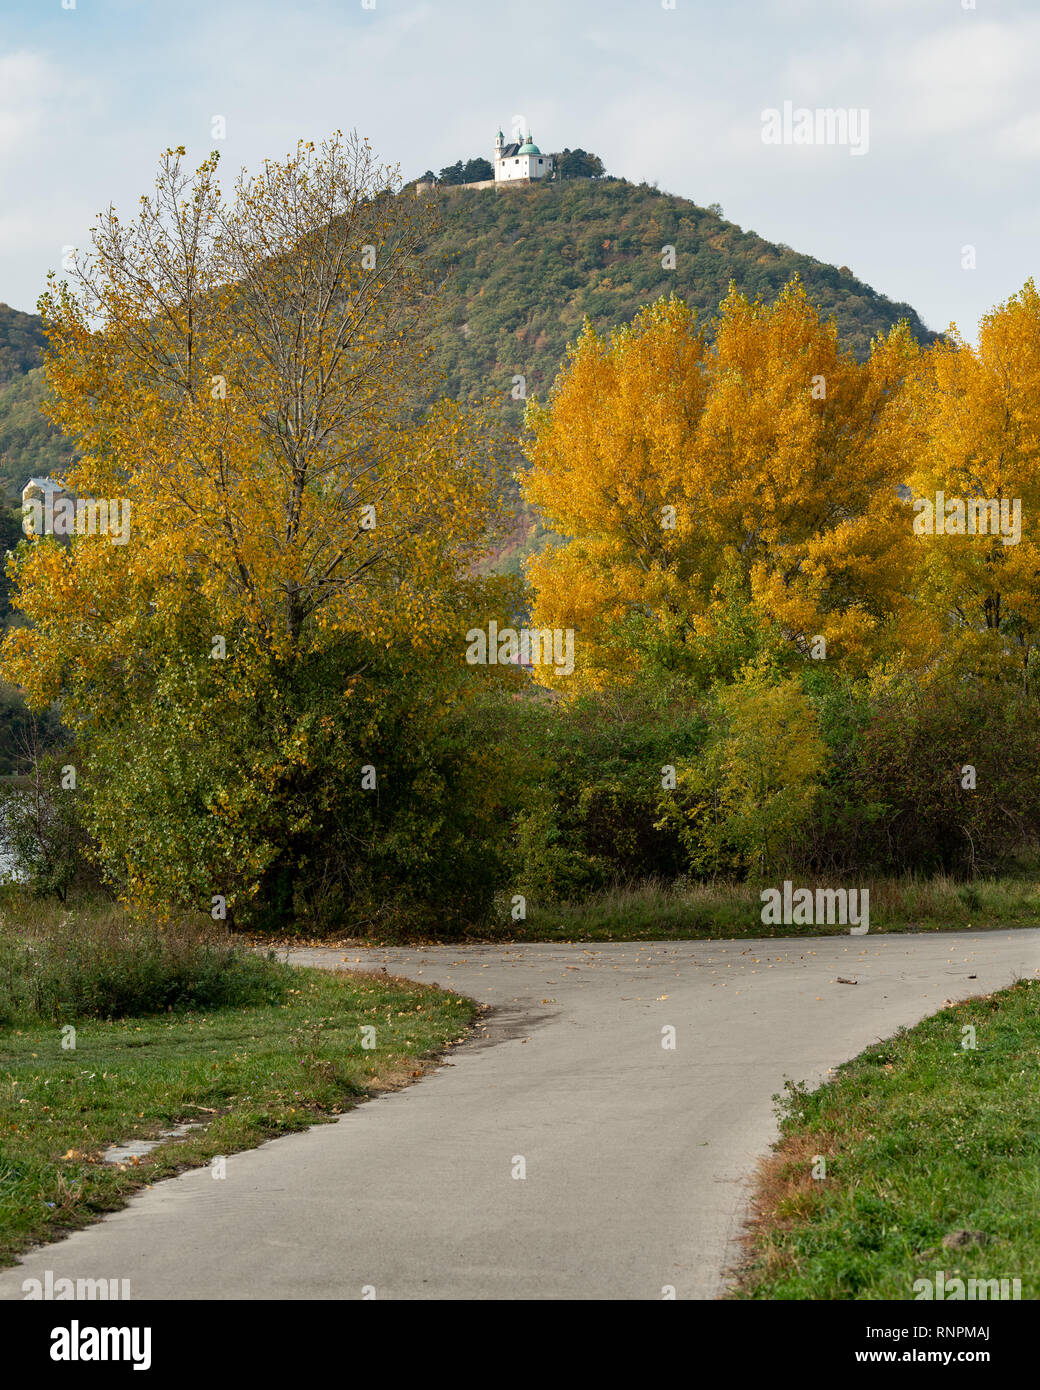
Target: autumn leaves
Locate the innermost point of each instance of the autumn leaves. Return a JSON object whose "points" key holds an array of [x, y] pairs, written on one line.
{"points": [[251, 373], [769, 464], [281, 690], [742, 514]]}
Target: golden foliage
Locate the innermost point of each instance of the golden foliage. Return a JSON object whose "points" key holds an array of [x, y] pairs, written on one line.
{"points": [[251, 374], [778, 453]]}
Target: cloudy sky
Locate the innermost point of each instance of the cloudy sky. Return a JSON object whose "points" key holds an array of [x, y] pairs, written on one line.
{"points": [[667, 91]]}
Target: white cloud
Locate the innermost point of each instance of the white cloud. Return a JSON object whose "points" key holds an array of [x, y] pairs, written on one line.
{"points": [[26, 82], [1021, 140], [964, 78]]}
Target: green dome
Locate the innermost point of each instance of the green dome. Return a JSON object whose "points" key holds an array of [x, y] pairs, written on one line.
{"points": [[529, 148]]}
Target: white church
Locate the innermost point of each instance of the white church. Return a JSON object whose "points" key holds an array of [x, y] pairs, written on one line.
{"points": [[520, 161]]}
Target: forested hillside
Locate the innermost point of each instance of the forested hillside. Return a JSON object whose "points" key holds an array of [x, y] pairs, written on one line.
{"points": [[29, 444], [21, 339], [531, 262], [524, 268]]}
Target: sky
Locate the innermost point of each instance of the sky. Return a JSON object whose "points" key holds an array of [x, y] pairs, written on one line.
{"points": [[672, 92]]}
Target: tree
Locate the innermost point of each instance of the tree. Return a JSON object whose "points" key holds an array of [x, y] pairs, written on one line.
{"points": [[473, 171], [553, 284], [765, 466], [43, 842], [251, 376], [977, 569], [478, 169], [578, 164]]}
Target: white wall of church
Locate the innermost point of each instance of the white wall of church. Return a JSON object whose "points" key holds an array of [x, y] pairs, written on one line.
{"points": [[524, 166]]}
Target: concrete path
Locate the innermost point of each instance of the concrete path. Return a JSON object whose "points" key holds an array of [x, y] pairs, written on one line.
{"points": [[637, 1156]]}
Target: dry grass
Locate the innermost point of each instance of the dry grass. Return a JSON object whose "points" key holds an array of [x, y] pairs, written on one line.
{"points": [[653, 909], [786, 1195]]}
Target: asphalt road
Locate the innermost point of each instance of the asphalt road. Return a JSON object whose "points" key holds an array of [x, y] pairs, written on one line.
{"points": [[636, 1156]]}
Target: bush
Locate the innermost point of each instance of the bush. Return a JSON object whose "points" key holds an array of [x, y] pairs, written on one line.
{"points": [[42, 842], [913, 757], [589, 786], [257, 793], [743, 805], [903, 753], [107, 964]]}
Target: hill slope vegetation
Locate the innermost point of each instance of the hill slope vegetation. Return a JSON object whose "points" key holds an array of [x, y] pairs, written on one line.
{"points": [[524, 268]]}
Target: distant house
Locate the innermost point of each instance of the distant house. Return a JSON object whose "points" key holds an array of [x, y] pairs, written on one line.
{"points": [[38, 499], [520, 162]]}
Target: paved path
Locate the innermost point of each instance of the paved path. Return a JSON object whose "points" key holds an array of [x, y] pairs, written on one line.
{"points": [[637, 1157]]}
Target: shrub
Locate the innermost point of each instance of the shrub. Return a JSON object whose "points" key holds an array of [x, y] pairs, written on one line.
{"points": [[42, 841], [912, 761], [743, 805], [108, 964], [897, 797], [590, 782]]}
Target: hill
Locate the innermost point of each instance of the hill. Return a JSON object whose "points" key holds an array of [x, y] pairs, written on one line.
{"points": [[528, 264], [525, 266], [21, 342], [29, 444]]}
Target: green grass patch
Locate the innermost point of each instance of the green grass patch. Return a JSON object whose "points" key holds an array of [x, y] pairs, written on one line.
{"points": [[926, 1141], [249, 1073], [655, 911]]}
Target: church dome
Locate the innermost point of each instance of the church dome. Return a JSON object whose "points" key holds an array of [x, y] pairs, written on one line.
{"points": [[529, 148]]}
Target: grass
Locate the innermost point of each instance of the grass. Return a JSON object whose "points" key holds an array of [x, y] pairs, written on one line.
{"points": [[925, 1141], [98, 960], [655, 911], [249, 1047]]}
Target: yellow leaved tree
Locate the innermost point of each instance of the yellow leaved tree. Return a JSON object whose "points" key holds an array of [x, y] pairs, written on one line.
{"points": [[977, 493], [249, 375], [762, 468]]}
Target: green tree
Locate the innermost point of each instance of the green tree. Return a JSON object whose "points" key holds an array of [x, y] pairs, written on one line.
{"points": [[579, 164], [478, 169]]}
